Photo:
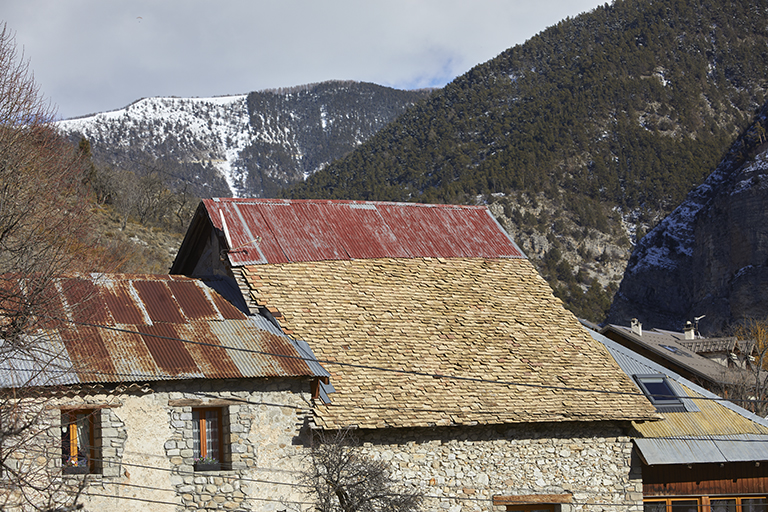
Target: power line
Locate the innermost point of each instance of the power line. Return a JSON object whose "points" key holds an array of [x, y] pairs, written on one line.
{"points": [[288, 484], [378, 368]]}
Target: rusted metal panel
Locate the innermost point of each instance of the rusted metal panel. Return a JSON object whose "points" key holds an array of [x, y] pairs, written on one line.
{"points": [[208, 351], [363, 232], [119, 299], [302, 232], [159, 302], [91, 360], [130, 356], [193, 301], [281, 231], [250, 238], [118, 328], [261, 361], [82, 300], [226, 309]]}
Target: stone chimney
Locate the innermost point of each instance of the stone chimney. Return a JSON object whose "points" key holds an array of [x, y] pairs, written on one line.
{"points": [[636, 326], [689, 332]]}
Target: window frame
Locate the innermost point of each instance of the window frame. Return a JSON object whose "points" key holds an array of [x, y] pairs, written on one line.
{"points": [[203, 441], [704, 503], [69, 419], [671, 402]]}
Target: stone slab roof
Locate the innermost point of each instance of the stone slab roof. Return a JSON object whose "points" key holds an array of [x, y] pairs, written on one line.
{"points": [[447, 329]]}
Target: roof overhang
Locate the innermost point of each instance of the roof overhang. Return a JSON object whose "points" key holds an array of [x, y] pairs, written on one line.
{"points": [[712, 450]]}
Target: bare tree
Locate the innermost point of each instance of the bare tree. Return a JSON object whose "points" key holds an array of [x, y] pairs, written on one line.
{"points": [[751, 389], [341, 478], [45, 232]]}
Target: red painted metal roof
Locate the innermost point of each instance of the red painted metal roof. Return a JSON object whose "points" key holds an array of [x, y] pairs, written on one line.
{"points": [[117, 328], [282, 231]]}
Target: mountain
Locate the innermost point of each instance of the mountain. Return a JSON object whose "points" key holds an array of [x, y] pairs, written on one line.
{"points": [[247, 145], [586, 135], [710, 255]]}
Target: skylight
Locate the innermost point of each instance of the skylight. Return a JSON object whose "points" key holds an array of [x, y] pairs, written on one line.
{"points": [[659, 391]]}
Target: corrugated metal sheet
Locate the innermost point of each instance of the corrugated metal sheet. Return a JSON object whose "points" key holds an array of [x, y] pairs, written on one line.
{"points": [[281, 231], [634, 364], [118, 328], [711, 431], [667, 346], [43, 363], [744, 448]]}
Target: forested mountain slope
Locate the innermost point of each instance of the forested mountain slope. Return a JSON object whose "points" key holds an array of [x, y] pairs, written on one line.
{"points": [[709, 257], [248, 145], [597, 126]]}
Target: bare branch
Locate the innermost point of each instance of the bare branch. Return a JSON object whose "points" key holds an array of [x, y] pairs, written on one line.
{"points": [[343, 479]]}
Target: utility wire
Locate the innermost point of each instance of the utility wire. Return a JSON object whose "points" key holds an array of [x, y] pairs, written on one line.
{"points": [[382, 369], [290, 484]]}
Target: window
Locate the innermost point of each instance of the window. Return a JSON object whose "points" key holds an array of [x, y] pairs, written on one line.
{"points": [[659, 391], [738, 504], [532, 502], [78, 450], [707, 504], [539, 507], [207, 438], [671, 505]]}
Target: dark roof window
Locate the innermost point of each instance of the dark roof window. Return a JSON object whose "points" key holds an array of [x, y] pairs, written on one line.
{"points": [[659, 391]]}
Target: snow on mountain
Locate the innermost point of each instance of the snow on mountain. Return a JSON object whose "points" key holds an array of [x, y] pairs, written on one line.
{"points": [[215, 130], [245, 145], [710, 255]]}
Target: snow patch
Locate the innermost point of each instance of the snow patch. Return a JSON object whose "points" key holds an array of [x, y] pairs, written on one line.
{"points": [[215, 130]]}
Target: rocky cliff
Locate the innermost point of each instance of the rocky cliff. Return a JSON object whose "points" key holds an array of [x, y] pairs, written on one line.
{"points": [[710, 255]]}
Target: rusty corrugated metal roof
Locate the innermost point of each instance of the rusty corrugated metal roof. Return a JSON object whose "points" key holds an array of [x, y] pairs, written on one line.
{"points": [[265, 231], [117, 328]]}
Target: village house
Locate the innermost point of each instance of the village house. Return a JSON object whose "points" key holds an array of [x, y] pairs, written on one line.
{"points": [[448, 353], [154, 392], [717, 364], [706, 454]]}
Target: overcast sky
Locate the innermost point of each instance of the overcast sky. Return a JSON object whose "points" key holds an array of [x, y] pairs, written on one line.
{"points": [[94, 55]]}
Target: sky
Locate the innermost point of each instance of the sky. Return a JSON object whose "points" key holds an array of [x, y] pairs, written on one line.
{"points": [[91, 56]]}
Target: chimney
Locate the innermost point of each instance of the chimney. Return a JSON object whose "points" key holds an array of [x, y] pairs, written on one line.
{"points": [[689, 333], [637, 327]]}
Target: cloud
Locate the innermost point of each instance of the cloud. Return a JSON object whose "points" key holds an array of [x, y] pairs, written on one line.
{"points": [[91, 55]]}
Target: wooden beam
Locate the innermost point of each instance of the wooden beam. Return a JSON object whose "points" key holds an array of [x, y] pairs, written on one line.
{"points": [[531, 498], [191, 402]]}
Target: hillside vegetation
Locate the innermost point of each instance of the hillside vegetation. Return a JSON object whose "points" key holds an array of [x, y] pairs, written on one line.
{"points": [[598, 127]]}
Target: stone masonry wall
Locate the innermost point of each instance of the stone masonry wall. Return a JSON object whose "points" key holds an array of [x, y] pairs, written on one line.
{"points": [[263, 437], [143, 437], [145, 440], [463, 468]]}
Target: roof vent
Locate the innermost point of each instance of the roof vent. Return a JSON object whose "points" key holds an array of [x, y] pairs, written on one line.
{"points": [[636, 326], [689, 331]]}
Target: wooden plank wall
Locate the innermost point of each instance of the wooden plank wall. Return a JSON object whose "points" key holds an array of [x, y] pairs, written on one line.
{"points": [[705, 479]]}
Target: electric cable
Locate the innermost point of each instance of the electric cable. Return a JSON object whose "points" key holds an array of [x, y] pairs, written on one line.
{"points": [[378, 368]]}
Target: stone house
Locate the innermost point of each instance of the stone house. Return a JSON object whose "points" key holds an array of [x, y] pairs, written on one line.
{"points": [[706, 454], [448, 353], [157, 393]]}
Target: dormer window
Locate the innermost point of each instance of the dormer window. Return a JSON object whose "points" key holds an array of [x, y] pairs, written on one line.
{"points": [[659, 391]]}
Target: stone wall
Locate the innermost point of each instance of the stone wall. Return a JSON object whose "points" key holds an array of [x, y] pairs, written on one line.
{"points": [[145, 440], [463, 468], [143, 437]]}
